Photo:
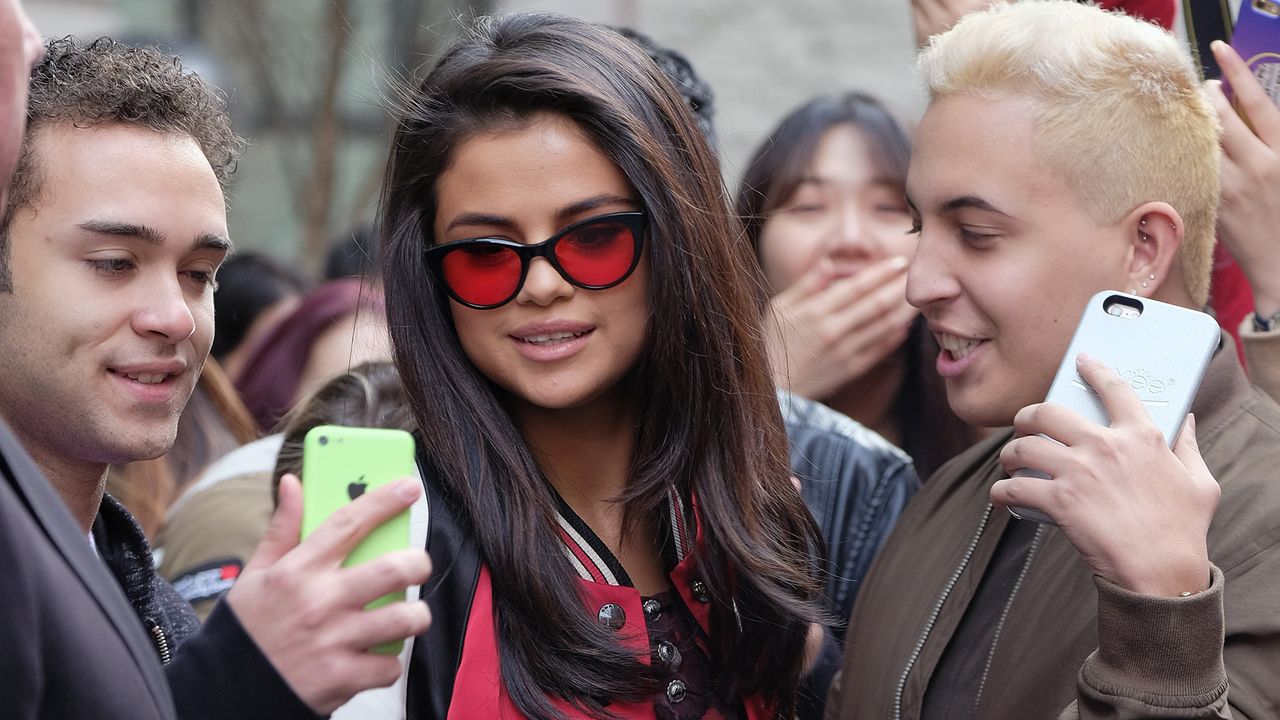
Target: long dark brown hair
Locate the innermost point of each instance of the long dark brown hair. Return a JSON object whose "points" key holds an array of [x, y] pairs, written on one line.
{"points": [[708, 420], [928, 430]]}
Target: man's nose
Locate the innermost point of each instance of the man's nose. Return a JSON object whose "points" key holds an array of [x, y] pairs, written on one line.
{"points": [[164, 311], [929, 279]]}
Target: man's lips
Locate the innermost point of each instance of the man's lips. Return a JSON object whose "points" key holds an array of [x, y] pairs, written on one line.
{"points": [[957, 351], [150, 373]]}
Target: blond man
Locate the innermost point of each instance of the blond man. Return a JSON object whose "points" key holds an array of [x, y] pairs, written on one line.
{"points": [[1067, 151]]}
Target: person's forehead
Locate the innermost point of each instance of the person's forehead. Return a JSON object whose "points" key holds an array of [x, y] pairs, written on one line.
{"points": [[977, 145], [120, 158], [103, 180]]}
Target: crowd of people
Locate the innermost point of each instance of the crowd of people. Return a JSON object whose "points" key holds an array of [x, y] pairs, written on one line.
{"points": [[681, 452]]}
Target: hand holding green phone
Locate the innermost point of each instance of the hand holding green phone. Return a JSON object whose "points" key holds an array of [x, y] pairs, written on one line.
{"points": [[339, 464]]}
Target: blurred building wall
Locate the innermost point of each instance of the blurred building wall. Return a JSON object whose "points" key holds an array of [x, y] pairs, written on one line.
{"points": [[765, 57]]}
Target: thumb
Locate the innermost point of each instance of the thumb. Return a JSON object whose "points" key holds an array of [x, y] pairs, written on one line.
{"points": [[283, 533]]}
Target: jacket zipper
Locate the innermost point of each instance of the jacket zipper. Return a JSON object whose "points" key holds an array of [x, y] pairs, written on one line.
{"points": [[937, 610], [162, 645], [1004, 614]]}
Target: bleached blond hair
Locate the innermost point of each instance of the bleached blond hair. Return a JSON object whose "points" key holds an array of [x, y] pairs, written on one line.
{"points": [[1121, 111]]}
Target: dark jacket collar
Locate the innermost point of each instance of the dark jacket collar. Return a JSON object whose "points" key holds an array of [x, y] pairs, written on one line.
{"points": [[168, 619]]}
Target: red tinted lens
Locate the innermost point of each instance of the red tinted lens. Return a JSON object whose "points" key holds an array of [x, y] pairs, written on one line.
{"points": [[598, 253], [482, 274]]}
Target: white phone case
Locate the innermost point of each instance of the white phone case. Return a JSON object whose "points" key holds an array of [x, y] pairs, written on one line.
{"points": [[1161, 349]]}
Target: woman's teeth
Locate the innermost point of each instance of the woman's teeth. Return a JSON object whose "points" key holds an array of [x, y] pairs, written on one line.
{"points": [[550, 338]]}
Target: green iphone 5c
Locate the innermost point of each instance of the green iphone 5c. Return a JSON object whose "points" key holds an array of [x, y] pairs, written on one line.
{"points": [[339, 464]]}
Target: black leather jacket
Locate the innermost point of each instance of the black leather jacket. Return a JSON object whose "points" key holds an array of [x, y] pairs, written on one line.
{"points": [[856, 485]]}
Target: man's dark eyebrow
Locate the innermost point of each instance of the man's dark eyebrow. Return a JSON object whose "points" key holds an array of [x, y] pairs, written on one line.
{"points": [[970, 201], [209, 241], [152, 236], [145, 233]]}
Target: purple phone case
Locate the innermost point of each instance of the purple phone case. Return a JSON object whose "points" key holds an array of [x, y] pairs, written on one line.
{"points": [[1257, 39]]}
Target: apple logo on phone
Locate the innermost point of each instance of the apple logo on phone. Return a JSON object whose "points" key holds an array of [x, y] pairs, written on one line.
{"points": [[357, 488]]}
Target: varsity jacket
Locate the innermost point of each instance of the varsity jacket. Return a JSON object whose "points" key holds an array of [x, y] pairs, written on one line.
{"points": [[1069, 645], [853, 481], [454, 670]]}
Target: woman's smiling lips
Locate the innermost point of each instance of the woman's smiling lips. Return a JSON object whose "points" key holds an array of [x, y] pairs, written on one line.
{"points": [[551, 340]]}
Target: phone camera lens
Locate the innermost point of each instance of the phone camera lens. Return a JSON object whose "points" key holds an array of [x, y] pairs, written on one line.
{"points": [[324, 440]]}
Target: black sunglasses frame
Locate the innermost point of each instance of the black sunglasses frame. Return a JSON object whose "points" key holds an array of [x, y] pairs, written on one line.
{"points": [[637, 222]]}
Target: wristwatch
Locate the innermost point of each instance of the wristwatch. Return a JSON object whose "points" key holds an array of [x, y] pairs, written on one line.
{"points": [[1262, 324]]}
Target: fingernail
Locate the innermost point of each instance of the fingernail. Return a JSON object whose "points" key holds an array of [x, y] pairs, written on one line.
{"points": [[1083, 358], [899, 263], [408, 489], [1217, 46], [1191, 422]]}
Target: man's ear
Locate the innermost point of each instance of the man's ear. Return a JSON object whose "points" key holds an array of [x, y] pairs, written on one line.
{"points": [[1154, 231]]}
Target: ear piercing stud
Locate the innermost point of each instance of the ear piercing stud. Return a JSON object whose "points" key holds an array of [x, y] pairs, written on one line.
{"points": [[1143, 223]]}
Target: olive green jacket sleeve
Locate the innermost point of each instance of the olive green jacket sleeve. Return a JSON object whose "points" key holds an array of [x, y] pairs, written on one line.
{"points": [[1156, 658]]}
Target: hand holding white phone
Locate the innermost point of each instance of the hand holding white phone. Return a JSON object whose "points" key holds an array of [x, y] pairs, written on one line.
{"points": [[1160, 350]]}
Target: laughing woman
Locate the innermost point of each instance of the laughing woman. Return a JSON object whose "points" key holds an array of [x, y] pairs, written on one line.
{"points": [[612, 520]]}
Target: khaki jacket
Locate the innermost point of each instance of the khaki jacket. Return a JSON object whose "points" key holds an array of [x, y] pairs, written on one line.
{"points": [[1068, 646]]}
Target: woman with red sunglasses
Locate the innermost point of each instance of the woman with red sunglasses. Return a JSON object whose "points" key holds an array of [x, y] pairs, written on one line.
{"points": [[612, 522]]}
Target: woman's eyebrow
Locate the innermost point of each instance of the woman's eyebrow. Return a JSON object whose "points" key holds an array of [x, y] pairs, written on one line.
{"points": [[568, 211], [472, 218], [593, 203]]}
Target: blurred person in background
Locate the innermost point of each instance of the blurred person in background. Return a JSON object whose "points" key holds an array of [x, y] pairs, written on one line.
{"points": [[824, 207], [255, 292], [1250, 210], [933, 17], [355, 255], [338, 325]]}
